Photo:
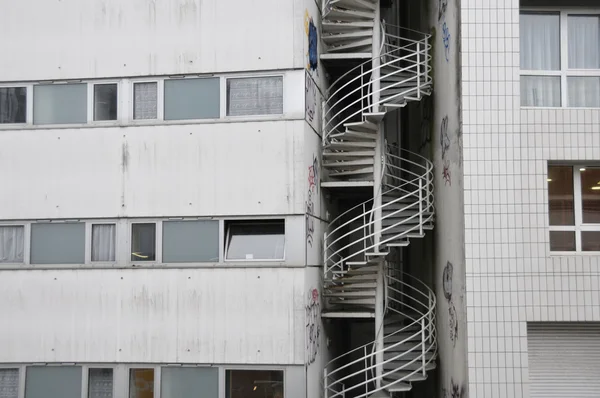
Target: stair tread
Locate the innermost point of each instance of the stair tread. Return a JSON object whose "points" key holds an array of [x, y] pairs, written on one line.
{"points": [[364, 43], [357, 55], [366, 4], [362, 126], [347, 163], [347, 314], [346, 184], [342, 14], [337, 37]]}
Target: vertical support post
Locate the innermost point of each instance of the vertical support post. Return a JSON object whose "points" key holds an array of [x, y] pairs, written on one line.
{"points": [[379, 314], [420, 206], [430, 318], [325, 270], [366, 373], [325, 383], [375, 48], [419, 70], [423, 361]]}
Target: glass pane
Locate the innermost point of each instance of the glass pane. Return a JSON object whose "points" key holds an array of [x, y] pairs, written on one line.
{"points": [[590, 195], [189, 383], [145, 100], [141, 383], [60, 103], [252, 240], [9, 383], [13, 105], [540, 41], [584, 91], [100, 383], [105, 102], [590, 241], [192, 99], [562, 241], [12, 239], [560, 195], [584, 42], [53, 382], [103, 242], [540, 91], [143, 242], [254, 384], [190, 241], [255, 96], [58, 243]]}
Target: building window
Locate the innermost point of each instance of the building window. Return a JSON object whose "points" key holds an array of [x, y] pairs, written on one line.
{"points": [[187, 99], [190, 241], [100, 383], [574, 208], [255, 240], [60, 243], [145, 101], [53, 382], [104, 242], [560, 59], [141, 383], [255, 96], [254, 384], [143, 242], [189, 382], [13, 104], [105, 102], [60, 103], [12, 241], [9, 383]]}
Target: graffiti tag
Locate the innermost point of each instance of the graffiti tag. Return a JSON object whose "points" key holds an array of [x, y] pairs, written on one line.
{"points": [[446, 38], [311, 198], [442, 6], [444, 138], [446, 173], [313, 326], [447, 280], [455, 391]]}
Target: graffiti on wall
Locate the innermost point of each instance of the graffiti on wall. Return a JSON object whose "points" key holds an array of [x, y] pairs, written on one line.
{"points": [[455, 390], [442, 6], [447, 277], [444, 138], [426, 117], [312, 101], [313, 326], [312, 54], [447, 280], [446, 39], [311, 198]]}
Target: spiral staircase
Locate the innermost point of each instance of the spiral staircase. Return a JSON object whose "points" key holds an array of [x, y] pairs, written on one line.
{"points": [[363, 277]]}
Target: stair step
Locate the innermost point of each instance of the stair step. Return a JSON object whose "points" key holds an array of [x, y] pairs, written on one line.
{"points": [[347, 314], [339, 27], [414, 336], [364, 44], [341, 14], [374, 117], [404, 243], [354, 278], [366, 170], [345, 145], [355, 136], [355, 4], [351, 295], [377, 254], [338, 38], [348, 155], [354, 286], [408, 356], [348, 163], [363, 126], [405, 366], [394, 106], [409, 376], [353, 301], [395, 386], [346, 184], [389, 221], [357, 55]]}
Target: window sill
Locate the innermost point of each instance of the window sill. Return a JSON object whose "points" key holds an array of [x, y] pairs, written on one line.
{"points": [[228, 265], [573, 254], [531, 108]]}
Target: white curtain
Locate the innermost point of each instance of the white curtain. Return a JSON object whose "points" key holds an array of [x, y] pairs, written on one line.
{"points": [[100, 383], [9, 383], [540, 50], [145, 101], [11, 244], [103, 242], [255, 96], [11, 101], [584, 53]]}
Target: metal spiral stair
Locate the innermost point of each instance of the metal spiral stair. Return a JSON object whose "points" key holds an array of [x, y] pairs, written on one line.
{"points": [[359, 277]]}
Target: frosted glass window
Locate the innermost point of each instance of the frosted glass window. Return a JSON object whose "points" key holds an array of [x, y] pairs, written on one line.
{"points": [[60, 103], [584, 42], [100, 383], [53, 382], [584, 91], [540, 41], [540, 91], [255, 96], [9, 383], [105, 102], [190, 241], [103, 242], [12, 240], [252, 240], [13, 105], [141, 383], [189, 383], [254, 384], [192, 99], [145, 101], [62, 243], [143, 242]]}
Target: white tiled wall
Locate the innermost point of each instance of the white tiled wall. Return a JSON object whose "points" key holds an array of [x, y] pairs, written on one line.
{"points": [[511, 276]]}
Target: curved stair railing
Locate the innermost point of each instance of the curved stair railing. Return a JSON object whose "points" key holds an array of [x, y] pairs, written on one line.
{"points": [[410, 350], [403, 75]]}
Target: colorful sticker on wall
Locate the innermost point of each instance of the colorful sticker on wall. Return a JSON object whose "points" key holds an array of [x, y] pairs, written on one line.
{"points": [[313, 41]]}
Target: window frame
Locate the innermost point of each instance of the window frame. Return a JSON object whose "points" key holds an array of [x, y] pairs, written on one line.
{"points": [[260, 368], [89, 238], [578, 226], [92, 104], [26, 244], [157, 242], [564, 72], [160, 101], [28, 105], [22, 374], [226, 236]]}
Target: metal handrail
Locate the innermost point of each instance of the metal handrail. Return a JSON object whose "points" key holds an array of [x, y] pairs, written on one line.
{"points": [[341, 376]]}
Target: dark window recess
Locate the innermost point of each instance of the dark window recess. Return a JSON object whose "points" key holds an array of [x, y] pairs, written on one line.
{"points": [[13, 105], [255, 240], [143, 242], [560, 195], [254, 384], [105, 102]]}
